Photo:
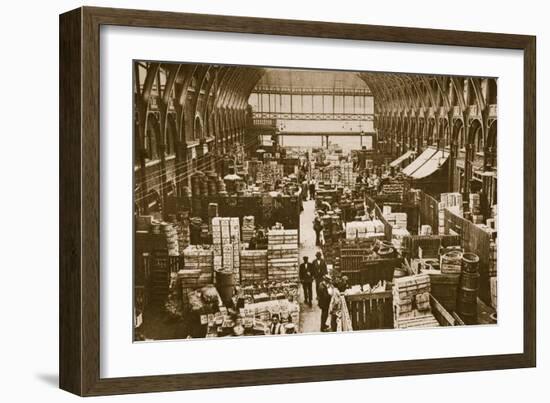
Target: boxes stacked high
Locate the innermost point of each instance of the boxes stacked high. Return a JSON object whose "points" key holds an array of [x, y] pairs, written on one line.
{"points": [[248, 228], [254, 166], [451, 202], [197, 267], [253, 266], [493, 284], [226, 239], [411, 301], [475, 205], [394, 189], [171, 234], [364, 229], [269, 172], [282, 255], [348, 177], [397, 220], [493, 258], [397, 236]]}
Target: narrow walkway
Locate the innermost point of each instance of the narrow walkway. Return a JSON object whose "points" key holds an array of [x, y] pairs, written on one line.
{"points": [[310, 318]]}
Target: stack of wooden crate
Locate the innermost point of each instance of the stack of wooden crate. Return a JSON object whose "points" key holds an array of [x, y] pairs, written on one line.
{"points": [[348, 176], [282, 255], [253, 266], [197, 266], [394, 188], [364, 229], [451, 202], [397, 220], [269, 172], [171, 234], [226, 239], [411, 302]]}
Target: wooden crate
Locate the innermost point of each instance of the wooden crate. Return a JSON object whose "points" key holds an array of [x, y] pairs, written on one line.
{"points": [[370, 310]]}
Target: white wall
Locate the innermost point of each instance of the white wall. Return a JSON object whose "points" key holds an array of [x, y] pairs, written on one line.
{"points": [[29, 198]]}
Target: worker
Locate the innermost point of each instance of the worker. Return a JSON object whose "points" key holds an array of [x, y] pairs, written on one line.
{"points": [[317, 227], [275, 326], [335, 307], [312, 189], [319, 269], [261, 240], [324, 296], [306, 278]]}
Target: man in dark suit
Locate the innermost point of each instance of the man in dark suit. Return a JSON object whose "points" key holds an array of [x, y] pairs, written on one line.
{"points": [[306, 278], [319, 269], [324, 296]]}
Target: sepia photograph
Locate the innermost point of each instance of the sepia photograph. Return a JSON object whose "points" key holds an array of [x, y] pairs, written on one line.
{"points": [[272, 201]]}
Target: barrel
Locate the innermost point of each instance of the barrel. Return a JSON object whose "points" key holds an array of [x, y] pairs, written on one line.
{"points": [[386, 252], [212, 185], [469, 280], [466, 305], [196, 206], [470, 262], [225, 284], [196, 179]]}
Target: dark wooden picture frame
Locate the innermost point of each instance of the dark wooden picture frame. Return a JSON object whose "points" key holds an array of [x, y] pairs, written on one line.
{"points": [[79, 346]]}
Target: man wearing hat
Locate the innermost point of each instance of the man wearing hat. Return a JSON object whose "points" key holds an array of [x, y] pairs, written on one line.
{"points": [[324, 296], [306, 278], [319, 269]]}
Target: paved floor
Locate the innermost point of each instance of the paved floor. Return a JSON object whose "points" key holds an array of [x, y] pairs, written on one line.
{"points": [[309, 317]]}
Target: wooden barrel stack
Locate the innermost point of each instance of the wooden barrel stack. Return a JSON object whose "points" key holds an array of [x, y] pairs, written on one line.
{"points": [[468, 288]]}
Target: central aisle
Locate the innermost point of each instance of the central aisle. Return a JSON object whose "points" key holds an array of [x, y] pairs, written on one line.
{"points": [[310, 318]]}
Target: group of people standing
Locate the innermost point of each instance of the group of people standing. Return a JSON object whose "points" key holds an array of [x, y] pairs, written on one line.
{"points": [[328, 296]]}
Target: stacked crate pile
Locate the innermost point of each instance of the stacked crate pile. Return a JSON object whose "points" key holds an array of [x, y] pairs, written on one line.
{"points": [[269, 172], [254, 166], [411, 302], [475, 208], [397, 220], [197, 267], [253, 266], [248, 228], [364, 229], [226, 239], [451, 202], [348, 175], [282, 255], [394, 189], [169, 230]]}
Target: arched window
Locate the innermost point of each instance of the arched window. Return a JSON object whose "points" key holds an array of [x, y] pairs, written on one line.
{"points": [[475, 136], [459, 134]]}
